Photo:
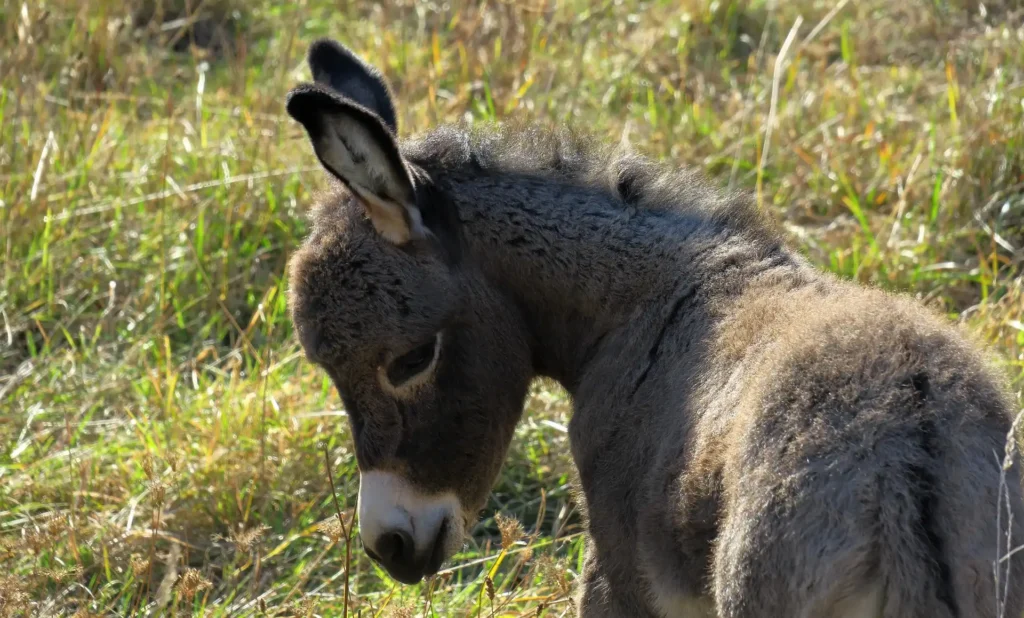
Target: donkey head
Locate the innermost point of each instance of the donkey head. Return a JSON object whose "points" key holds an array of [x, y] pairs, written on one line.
{"points": [[431, 361]]}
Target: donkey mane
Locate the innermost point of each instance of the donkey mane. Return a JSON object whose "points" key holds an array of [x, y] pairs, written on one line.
{"points": [[572, 155], [575, 156]]}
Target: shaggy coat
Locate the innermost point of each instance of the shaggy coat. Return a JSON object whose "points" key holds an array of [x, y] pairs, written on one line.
{"points": [[754, 437]]}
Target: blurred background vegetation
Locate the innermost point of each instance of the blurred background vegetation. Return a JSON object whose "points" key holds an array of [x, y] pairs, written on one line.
{"points": [[163, 445]]}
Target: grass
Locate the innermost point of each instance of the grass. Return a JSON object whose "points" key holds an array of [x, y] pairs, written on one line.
{"points": [[165, 446]]}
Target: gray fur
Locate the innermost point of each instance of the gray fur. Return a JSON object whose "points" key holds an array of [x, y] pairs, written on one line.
{"points": [[754, 437]]}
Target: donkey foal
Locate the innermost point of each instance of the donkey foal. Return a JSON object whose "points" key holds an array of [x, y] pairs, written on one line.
{"points": [[753, 437]]}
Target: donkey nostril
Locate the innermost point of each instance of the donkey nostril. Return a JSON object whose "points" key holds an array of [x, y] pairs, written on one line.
{"points": [[396, 549], [391, 547]]}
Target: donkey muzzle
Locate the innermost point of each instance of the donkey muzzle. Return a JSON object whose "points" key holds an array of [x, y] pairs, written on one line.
{"points": [[407, 532]]}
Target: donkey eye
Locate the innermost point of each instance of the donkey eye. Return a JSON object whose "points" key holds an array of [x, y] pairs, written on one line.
{"points": [[412, 363]]}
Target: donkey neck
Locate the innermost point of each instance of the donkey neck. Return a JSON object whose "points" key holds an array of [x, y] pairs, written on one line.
{"points": [[578, 262]]}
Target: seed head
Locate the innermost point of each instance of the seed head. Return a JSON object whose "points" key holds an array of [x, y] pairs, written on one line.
{"points": [[174, 460], [8, 546], [526, 555], [158, 490], [13, 598], [147, 464], [554, 573], [139, 564], [191, 582], [402, 612], [332, 528], [305, 607], [45, 536], [60, 574], [244, 540], [511, 530]]}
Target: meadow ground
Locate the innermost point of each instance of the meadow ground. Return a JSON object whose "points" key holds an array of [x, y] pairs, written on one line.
{"points": [[163, 444]]}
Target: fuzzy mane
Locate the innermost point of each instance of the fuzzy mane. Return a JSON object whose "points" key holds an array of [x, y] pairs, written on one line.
{"points": [[574, 156]]}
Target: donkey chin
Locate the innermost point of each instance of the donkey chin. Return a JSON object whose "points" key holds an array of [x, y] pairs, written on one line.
{"points": [[406, 531]]}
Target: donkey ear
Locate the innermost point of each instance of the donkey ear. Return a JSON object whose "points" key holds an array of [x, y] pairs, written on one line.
{"points": [[339, 68], [355, 145]]}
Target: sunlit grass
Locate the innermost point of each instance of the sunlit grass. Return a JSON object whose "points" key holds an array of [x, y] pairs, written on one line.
{"points": [[155, 412]]}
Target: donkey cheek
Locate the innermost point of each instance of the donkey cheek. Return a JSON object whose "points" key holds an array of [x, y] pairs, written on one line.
{"points": [[370, 454], [374, 447]]}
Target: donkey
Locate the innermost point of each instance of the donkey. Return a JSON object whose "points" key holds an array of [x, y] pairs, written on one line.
{"points": [[753, 437]]}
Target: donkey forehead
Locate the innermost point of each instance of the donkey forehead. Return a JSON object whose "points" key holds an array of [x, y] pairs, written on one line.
{"points": [[353, 293]]}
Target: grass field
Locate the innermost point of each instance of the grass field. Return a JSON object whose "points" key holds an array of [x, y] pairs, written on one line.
{"points": [[165, 445]]}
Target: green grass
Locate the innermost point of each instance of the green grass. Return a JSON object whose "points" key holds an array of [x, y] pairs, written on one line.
{"points": [[156, 414]]}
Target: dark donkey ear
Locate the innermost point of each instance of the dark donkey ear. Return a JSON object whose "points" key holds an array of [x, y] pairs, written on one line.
{"points": [[355, 143], [336, 66]]}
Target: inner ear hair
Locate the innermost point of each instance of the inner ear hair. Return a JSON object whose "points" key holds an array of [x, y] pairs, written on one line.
{"points": [[353, 144], [440, 220]]}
